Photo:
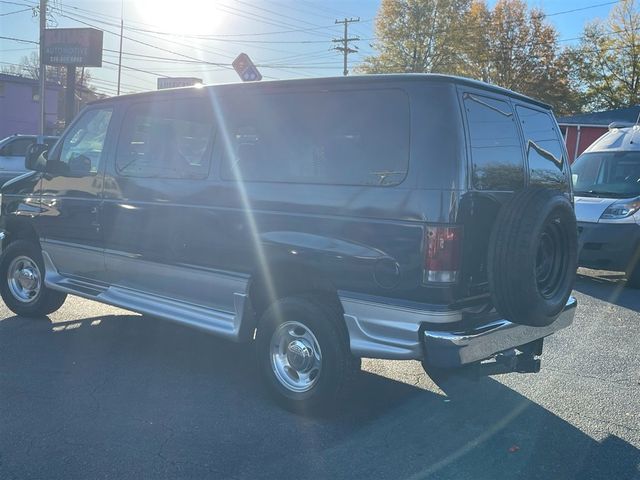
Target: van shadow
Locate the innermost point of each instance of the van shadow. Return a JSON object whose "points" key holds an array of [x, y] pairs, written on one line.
{"points": [[134, 397], [609, 287]]}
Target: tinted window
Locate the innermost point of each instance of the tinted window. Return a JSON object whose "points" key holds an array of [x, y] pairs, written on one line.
{"points": [[544, 150], [81, 149], [496, 154], [18, 147], [349, 138], [612, 174], [168, 139]]}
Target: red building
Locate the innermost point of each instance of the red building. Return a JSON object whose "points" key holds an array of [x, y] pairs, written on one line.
{"points": [[583, 129]]}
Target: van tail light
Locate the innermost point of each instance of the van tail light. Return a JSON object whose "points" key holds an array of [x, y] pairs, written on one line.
{"points": [[443, 254]]}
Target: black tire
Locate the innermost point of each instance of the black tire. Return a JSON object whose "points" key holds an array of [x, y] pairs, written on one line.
{"points": [[338, 366], [45, 301], [532, 259]]}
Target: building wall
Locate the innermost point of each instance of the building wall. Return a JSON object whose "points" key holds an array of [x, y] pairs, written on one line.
{"points": [[585, 136], [19, 113]]}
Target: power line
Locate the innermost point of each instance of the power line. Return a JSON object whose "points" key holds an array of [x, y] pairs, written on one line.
{"points": [[17, 11], [587, 7], [19, 40]]}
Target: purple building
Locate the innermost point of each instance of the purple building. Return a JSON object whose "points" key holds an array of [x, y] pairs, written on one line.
{"points": [[20, 105]]}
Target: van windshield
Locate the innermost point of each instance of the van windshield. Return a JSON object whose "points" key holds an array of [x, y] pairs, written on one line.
{"points": [[607, 174]]}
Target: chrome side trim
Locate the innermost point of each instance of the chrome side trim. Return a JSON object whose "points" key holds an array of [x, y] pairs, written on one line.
{"points": [[454, 349], [185, 283], [223, 323], [379, 330], [75, 259]]}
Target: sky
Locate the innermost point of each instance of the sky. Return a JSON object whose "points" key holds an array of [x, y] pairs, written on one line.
{"points": [[200, 38]]}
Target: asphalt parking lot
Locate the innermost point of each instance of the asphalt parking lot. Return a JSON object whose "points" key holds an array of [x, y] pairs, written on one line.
{"points": [[96, 392]]}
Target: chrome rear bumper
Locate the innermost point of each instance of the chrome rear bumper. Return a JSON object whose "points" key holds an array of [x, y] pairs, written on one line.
{"points": [[455, 349]]}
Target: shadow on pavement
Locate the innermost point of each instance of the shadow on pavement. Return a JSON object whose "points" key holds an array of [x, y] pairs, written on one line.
{"points": [[134, 397], [609, 287]]}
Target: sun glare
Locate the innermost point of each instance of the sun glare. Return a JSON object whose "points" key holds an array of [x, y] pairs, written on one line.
{"points": [[181, 17]]}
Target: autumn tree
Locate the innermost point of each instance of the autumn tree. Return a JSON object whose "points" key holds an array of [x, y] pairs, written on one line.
{"points": [[513, 46], [509, 45], [418, 36], [607, 60]]}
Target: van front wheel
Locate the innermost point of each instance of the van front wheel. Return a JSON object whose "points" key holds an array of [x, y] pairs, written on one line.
{"points": [[22, 281], [304, 355]]}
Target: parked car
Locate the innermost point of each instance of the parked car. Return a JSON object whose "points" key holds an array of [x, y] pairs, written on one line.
{"points": [[607, 186], [401, 217], [12, 153]]}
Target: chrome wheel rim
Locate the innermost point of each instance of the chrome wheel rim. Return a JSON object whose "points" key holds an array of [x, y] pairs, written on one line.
{"points": [[24, 279], [296, 358]]}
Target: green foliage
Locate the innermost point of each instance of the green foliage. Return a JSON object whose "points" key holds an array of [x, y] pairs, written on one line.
{"points": [[607, 61]]}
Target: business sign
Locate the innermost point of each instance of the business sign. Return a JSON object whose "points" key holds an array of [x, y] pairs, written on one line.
{"points": [[175, 82], [80, 47], [246, 69]]}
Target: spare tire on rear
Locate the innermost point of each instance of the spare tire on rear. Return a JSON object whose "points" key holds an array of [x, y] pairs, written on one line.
{"points": [[533, 257]]}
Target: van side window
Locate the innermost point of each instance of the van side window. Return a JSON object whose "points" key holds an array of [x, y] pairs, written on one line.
{"points": [[340, 137], [166, 139], [496, 154], [544, 150], [81, 149]]}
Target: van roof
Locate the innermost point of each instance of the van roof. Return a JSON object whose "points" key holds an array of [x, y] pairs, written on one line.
{"points": [[326, 81], [617, 139]]}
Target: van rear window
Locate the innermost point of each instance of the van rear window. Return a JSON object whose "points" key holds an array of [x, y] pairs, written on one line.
{"points": [[345, 137]]}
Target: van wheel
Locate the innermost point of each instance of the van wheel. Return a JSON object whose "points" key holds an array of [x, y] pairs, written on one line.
{"points": [[22, 281], [532, 259], [303, 355]]}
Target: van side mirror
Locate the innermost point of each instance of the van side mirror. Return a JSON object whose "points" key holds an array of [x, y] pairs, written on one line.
{"points": [[36, 157]]}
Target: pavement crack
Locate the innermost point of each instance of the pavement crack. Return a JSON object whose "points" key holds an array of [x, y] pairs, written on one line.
{"points": [[627, 383]]}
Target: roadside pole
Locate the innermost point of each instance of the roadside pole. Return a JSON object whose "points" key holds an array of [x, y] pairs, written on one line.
{"points": [[43, 80], [70, 95]]}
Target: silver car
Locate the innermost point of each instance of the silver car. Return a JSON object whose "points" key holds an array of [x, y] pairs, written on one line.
{"points": [[606, 179], [12, 152]]}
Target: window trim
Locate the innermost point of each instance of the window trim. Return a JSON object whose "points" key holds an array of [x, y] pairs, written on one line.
{"points": [[223, 154], [209, 152]]}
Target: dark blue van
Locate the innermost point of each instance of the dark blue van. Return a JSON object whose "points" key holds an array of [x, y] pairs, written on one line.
{"points": [[417, 217]]}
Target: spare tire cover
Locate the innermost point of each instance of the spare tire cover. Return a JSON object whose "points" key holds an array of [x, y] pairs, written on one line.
{"points": [[532, 258]]}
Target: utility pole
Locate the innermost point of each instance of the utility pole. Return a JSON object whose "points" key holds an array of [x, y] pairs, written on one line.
{"points": [[42, 73], [120, 55], [345, 40]]}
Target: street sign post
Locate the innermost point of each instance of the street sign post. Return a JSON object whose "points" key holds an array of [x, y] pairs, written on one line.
{"points": [[245, 68]]}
